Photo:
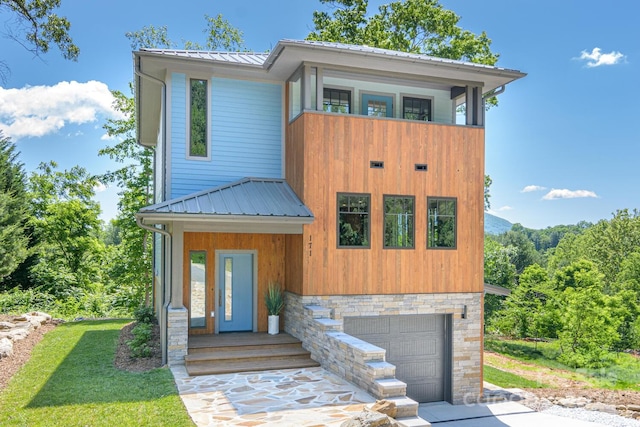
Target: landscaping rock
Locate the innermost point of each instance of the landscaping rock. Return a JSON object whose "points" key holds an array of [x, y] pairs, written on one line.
{"points": [[634, 408], [385, 407], [6, 325], [573, 402], [6, 348], [370, 419], [601, 407]]}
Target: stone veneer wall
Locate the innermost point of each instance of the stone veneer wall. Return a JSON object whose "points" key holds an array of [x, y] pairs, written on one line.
{"points": [[466, 343], [177, 335]]}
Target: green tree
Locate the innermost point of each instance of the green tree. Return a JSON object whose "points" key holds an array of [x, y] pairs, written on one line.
{"points": [[36, 23], [416, 26], [131, 267], [525, 253], [499, 271], [530, 310], [14, 239], [589, 325], [70, 250]]}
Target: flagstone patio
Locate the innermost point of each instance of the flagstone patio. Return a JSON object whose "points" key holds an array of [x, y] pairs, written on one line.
{"points": [[291, 397]]}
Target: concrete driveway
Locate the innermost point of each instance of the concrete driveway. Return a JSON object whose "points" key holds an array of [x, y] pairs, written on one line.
{"points": [[501, 414]]}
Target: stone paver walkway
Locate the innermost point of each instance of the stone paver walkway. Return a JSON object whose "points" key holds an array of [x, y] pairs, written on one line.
{"points": [[291, 397]]}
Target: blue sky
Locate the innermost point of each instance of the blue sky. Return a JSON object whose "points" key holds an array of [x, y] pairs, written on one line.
{"points": [[563, 146]]}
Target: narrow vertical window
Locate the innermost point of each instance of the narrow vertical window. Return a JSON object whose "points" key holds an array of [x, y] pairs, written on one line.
{"points": [[353, 220], [398, 222], [198, 289], [198, 146], [441, 227]]}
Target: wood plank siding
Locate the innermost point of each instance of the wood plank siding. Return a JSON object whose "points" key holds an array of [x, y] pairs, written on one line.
{"points": [[329, 153], [270, 258]]}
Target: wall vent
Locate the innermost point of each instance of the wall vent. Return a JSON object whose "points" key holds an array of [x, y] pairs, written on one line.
{"points": [[376, 164], [421, 167]]}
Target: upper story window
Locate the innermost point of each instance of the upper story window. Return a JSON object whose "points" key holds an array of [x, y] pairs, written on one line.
{"points": [[336, 100], [398, 221], [198, 129], [441, 223], [353, 220], [416, 109]]}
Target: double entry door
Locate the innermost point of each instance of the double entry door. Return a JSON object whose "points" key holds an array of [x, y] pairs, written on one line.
{"points": [[227, 304]]}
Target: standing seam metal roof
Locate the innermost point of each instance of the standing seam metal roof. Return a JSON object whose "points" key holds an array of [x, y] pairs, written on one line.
{"points": [[257, 197], [265, 59]]}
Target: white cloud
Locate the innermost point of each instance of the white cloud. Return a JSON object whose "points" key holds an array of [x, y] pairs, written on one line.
{"points": [[596, 58], [532, 188], [99, 187], [505, 208], [568, 194], [35, 111]]}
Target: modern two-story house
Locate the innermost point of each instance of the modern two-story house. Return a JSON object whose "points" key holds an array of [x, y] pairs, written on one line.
{"points": [[349, 175]]}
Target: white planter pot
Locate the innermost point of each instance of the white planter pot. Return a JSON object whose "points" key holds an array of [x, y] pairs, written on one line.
{"points": [[274, 325]]}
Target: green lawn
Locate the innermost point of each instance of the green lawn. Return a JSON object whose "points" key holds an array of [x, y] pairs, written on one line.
{"points": [[622, 374], [70, 380], [508, 380]]}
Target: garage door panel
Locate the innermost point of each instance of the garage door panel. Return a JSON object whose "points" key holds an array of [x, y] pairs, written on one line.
{"points": [[412, 349], [362, 326], [415, 344]]}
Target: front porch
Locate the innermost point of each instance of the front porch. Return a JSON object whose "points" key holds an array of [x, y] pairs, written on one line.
{"points": [[244, 352]]}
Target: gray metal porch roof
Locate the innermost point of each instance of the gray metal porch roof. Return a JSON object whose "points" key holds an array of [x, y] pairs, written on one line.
{"points": [[248, 198]]}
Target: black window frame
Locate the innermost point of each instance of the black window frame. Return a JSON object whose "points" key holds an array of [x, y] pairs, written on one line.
{"points": [[446, 216], [412, 234], [339, 92], [367, 237], [414, 99]]}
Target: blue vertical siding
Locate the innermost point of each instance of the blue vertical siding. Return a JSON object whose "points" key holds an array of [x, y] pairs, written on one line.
{"points": [[245, 134]]}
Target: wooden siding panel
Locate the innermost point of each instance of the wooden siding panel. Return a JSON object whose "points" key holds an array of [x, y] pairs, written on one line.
{"points": [[246, 134], [336, 151], [271, 261]]}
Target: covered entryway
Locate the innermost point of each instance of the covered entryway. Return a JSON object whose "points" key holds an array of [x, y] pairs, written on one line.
{"points": [[419, 347]]}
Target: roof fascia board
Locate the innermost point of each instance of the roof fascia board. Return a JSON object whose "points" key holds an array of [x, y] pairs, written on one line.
{"points": [[162, 218], [436, 62]]}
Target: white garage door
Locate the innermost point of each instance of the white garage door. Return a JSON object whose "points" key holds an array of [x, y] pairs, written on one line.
{"points": [[416, 344]]}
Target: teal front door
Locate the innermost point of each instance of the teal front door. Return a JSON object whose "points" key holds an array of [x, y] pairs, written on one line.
{"points": [[235, 292], [377, 105]]}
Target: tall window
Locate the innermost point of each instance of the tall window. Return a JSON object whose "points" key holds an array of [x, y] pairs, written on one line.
{"points": [[353, 220], [398, 221], [337, 100], [198, 146], [416, 109], [441, 227]]}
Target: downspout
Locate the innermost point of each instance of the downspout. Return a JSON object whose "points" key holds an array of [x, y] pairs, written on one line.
{"points": [[163, 135], [166, 302]]}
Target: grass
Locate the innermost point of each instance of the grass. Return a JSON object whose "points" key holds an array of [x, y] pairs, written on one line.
{"points": [[70, 380], [622, 374], [508, 380]]}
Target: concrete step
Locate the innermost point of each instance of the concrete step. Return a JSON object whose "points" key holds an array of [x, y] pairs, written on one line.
{"points": [[390, 387], [406, 406], [413, 422]]}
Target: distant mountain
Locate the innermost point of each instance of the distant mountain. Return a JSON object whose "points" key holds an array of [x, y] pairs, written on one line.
{"points": [[495, 225]]}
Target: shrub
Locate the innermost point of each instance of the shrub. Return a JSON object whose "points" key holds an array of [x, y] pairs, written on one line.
{"points": [[144, 314], [139, 345]]}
